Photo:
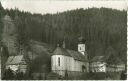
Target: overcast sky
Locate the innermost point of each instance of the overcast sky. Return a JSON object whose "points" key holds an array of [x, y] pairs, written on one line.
{"points": [[50, 6]]}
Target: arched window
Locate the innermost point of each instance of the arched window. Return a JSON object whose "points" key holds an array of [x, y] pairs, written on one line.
{"points": [[58, 61], [80, 48]]}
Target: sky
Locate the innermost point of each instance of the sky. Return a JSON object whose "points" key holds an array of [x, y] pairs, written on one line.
{"points": [[54, 6]]}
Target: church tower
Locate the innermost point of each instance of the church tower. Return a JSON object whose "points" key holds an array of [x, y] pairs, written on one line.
{"points": [[81, 45]]}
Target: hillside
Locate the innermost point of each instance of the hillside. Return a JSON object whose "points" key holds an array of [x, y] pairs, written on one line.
{"points": [[102, 28]]}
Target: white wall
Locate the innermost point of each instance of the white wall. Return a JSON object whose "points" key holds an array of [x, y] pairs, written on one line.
{"points": [[66, 63], [22, 68], [81, 48], [12, 67]]}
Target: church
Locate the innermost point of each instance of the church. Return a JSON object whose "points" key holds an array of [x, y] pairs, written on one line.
{"points": [[69, 61]]}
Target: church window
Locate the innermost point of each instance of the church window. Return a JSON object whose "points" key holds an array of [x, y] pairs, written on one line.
{"points": [[58, 61], [80, 48]]}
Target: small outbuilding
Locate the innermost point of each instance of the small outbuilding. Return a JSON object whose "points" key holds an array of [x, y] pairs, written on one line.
{"points": [[107, 64], [98, 64], [16, 63]]}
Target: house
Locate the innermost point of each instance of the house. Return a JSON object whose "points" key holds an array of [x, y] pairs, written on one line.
{"points": [[16, 63], [107, 64], [98, 64], [69, 61], [116, 68]]}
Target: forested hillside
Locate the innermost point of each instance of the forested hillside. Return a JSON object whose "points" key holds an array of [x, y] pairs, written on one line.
{"points": [[2, 12], [105, 30]]}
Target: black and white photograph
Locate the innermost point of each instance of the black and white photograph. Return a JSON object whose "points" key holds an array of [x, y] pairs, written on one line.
{"points": [[63, 40]]}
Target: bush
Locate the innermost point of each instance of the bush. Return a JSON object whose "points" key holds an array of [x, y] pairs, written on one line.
{"points": [[93, 76], [8, 74]]}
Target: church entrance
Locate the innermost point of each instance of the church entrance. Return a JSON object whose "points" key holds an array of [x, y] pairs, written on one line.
{"points": [[83, 68]]}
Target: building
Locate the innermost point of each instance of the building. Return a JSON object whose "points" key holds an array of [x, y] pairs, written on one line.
{"points": [[116, 67], [69, 61], [16, 63], [107, 64], [98, 64]]}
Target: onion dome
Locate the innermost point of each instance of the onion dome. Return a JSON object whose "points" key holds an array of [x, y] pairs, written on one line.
{"points": [[81, 40]]}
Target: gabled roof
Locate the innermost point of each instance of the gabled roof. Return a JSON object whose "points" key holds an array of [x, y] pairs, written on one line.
{"points": [[98, 59], [77, 55], [61, 51], [13, 60], [81, 39]]}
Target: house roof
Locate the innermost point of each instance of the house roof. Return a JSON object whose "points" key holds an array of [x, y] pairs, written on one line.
{"points": [[81, 39], [14, 60], [98, 58]]}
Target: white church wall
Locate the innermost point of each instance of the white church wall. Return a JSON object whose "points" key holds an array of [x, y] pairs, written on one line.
{"points": [[67, 63]]}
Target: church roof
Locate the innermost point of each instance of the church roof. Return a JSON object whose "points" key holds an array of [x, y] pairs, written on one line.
{"points": [[12, 60], [61, 51], [77, 55], [81, 39]]}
